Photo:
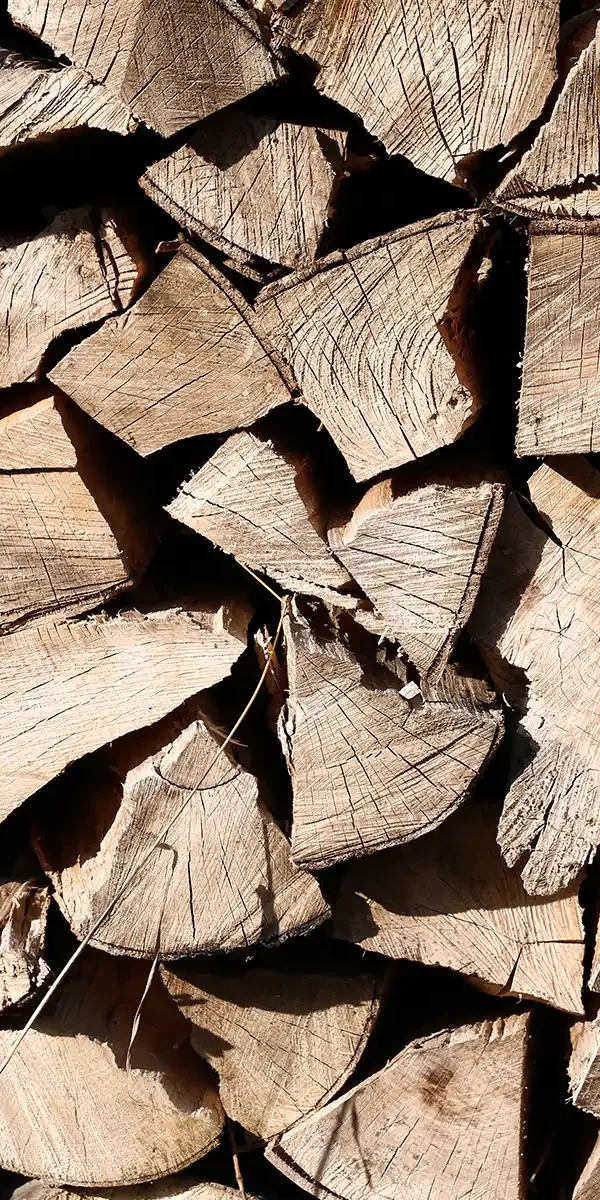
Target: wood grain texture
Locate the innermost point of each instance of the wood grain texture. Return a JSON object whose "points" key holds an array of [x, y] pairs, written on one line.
{"points": [[373, 338], [588, 1184], [38, 100], [448, 899], [72, 1113], [24, 903], [253, 185], [368, 769], [584, 1065], [68, 687], [282, 1043], [162, 1189], [75, 271], [538, 612], [419, 556], [170, 62], [184, 360], [444, 1118], [433, 82], [256, 502]]}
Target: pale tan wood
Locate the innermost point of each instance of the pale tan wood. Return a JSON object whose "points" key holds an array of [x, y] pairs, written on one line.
{"points": [[75, 271], [588, 1184], [70, 686], [419, 555], [433, 82], [375, 341], [584, 1065], [72, 1113], [282, 1042], [162, 1189], [170, 63], [257, 502], [370, 769], [445, 1118], [538, 612], [254, 185], [36, 100], [24, 903], [185, 360], [448, 899]]}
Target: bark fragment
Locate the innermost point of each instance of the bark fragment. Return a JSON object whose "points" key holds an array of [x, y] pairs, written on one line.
{"points": [[24, 902]]}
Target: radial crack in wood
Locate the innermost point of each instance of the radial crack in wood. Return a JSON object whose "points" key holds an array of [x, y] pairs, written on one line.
{"points": [[443, 1118], [283, 1043], [37, 100], [24, 903], [375, 339], [188, 358]]}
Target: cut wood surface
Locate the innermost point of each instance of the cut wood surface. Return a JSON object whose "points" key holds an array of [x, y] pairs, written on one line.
{"points": [[368, 769], [186, 359], [24, 902], [71, 1111], [374, 337], [163, 1189], [171, 63], [75, 271], [538, 611], [584, 1065], [588, 1184], [68, 687], [282, 1042], [444, 1118], [433, 82], [419, 556], [448, 899], [36, 100], [254, 185]]}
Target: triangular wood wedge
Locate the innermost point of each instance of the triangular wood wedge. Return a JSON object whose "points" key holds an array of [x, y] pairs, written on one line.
{"points": [[169, 62], [588, 1184], [186, 359], [255, 501], [538, 611], [433, 83], [374, 338], [253, 185], [70, 535], [24, 903], [369, 769], [71, 1111], [584, 1065], [419, 556], [448, 899], [445, 1118], [163, 1189], [68, 687], [222, 881], [36, 100], [282, 1042], [75, 271]]}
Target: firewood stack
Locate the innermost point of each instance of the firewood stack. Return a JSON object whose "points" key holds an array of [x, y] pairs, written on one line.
{"points": [[300, 600]]}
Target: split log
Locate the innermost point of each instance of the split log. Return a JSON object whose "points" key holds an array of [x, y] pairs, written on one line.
{"points": [[444, 1118], [170, 63], [419, 555], [537, 612], [71, 686], [588, 1184], [433, 83], [255, 186], [72, 1112], [449, 900], [584, 1065], [70, 535], [188, 358], [256, 500], [38, 99], [24, 903], [163, 1189], [369, 769], [75, 271], [283, 1043], [374, 337]]}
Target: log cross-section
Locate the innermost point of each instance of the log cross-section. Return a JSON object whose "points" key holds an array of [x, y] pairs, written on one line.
{"points": [[38, 100]]}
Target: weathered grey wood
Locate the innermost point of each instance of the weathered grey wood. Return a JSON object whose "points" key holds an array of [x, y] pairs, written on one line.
{"points": [[444, 1118], [36, 100], [186, 359], [282, 1042], [24, 902], [375, 340]]}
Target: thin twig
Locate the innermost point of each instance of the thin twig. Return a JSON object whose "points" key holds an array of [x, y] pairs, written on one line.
{"points": [[152, 972], [239, 1178]]}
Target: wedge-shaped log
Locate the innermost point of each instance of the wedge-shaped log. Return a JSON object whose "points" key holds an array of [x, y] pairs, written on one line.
{"points": [[75, 271], [419, 555], [443, 1118], [36, 100], [538, 611], [374, 338], [163, 1189], [71, 1111], [282, 1042], [68, 687], [588, 1184], [24, 902], [434, 83], [253, 185], [449, 899], [186, 359], [169, 62], [368, 769]]}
